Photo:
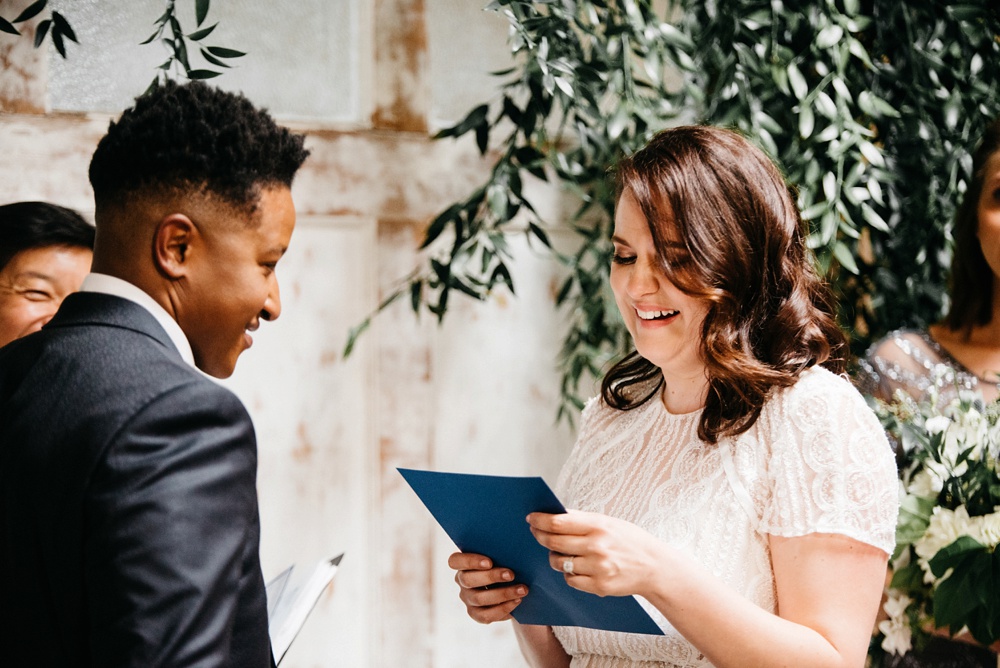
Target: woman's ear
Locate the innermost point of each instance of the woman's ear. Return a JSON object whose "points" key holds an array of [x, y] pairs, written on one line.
{"points": [[171, 244]]}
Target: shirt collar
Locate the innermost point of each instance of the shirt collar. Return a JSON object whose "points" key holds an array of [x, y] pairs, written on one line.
{"points": [[111, 285]]}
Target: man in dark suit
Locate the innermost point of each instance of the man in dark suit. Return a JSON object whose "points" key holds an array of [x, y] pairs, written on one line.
{"points": [[129, 530]]}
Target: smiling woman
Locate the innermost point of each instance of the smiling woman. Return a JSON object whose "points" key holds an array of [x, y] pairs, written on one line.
{"points": [[727, 475], [45, 253]]}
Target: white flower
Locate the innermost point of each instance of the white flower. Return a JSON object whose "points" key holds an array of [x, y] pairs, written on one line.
{"points": [[898, 636], [896, 604], [927, 482], [988, 529], [944, 529], [937, 424]]}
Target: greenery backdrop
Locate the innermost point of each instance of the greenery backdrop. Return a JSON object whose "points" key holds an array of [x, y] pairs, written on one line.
{"points": [[870, 106]]}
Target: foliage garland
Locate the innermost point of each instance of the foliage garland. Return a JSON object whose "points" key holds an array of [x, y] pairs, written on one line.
{"points": [[870, 106], [168, 31]]}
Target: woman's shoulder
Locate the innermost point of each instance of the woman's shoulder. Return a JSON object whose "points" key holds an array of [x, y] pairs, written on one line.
{"points": [[819, 385], [902, 343]]}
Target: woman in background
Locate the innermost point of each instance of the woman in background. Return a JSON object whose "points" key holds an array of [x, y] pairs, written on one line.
{"points": [[963, 352], [728, 475]]}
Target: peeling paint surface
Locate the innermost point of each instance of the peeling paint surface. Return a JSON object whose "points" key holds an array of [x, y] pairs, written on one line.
{"points": [[476, 394]]}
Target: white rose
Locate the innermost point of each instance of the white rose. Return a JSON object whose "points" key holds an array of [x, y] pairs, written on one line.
{"points": [[937, 424]]}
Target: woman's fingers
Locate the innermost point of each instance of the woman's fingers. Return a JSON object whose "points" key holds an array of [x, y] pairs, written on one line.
{"points": [[488, 592], [496, 613], [476, 579]]}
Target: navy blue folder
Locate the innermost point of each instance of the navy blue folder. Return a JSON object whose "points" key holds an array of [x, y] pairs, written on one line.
{"points": [[485, 514]]}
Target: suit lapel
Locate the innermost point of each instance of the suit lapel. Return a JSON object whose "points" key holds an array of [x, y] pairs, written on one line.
{"points": [[96, 308]]}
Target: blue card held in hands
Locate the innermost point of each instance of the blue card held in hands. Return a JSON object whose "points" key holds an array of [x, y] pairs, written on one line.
{"points": [[484, 514]]}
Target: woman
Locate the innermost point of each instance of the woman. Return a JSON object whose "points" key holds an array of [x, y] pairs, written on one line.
{"points": [[963, 352], [726, 475]]}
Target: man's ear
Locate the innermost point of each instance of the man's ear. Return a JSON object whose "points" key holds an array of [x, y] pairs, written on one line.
{"points": [[171, 245]]}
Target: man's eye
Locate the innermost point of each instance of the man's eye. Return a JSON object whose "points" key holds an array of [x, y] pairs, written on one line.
{"points": [[37, 295]]}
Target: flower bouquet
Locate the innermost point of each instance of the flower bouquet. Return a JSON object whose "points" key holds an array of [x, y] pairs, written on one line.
{"points": [[946, 566]]}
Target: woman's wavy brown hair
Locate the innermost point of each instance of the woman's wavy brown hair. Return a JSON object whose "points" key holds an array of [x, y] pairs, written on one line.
{"points": [[971, 276], [769, 314]]}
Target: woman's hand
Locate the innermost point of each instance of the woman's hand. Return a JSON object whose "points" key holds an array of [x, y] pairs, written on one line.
{"points": [[599, 554], [486, 591]]}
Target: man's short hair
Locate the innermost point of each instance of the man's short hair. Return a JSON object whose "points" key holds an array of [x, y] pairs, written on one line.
{"points": [[27, 225], [193, 136]]}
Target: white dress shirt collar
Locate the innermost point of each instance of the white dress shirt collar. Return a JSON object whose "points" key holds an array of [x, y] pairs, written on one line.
{"points": [[111, 285]]}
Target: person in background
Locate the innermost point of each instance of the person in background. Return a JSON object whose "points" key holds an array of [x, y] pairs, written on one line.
{"points": [[129, 526], [728, 474], [960, 353], [45, 253], [963, 351]]}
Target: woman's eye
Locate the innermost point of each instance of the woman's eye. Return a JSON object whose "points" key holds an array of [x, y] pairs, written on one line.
{"points": [[619, 258]]}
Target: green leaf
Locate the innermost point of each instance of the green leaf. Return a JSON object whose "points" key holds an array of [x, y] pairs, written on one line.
{"points": [[967, 12], [798, 82], [5, 26], [873, 219], [203, 33], [844, 257], [201, 10], [223, 52], [540, 233], [416, 292], [354, 334], [807, 121], [483, 137], [31, 11], [41, 31], [829, 36], [63, 27], [57, 40], [212, 59], [202, 74]]}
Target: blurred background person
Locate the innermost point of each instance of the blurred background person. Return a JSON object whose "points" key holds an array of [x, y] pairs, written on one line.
{"points": [[963, 351], [960, 353], [45, 253]]}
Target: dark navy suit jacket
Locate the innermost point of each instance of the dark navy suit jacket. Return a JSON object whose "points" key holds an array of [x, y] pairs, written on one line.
{"points": [[129, 530]]}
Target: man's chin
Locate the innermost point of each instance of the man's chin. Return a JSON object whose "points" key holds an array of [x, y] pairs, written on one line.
{"points": [[216, 368]]}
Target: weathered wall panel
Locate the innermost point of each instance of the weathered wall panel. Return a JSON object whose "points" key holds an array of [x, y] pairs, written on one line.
{"points": [[476, 394]]}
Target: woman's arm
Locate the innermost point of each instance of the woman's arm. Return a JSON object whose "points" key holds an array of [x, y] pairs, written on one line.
{"points": [[828, 590], [540, 646]]}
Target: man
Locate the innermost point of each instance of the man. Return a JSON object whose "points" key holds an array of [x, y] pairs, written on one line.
{"points": [[128, 511], [45, 252]]}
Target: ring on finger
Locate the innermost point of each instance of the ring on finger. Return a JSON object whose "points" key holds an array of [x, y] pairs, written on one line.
{"points": [[567, 565]]}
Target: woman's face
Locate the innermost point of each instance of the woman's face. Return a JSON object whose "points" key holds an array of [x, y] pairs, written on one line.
{"points": [[989, 215], [664, 322], [33, 285]]}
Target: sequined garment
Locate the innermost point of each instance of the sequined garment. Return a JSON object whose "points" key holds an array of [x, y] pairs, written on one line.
{"points": [[911, 361], [815, 461]]}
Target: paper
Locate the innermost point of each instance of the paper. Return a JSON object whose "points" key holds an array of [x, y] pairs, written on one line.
{"points": [[290, 599], [485, 515]]}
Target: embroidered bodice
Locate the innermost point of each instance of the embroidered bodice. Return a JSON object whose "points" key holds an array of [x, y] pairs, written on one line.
{"points": [[815, 461], [912, 361]]}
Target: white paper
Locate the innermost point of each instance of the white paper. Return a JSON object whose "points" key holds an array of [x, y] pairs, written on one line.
{"points": [[291, 597]]}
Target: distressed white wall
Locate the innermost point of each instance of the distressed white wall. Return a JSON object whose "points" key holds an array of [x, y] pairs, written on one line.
{"points": [[368, 81]]}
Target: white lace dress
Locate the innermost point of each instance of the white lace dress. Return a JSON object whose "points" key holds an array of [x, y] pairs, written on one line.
{"points": [[816, 461]]}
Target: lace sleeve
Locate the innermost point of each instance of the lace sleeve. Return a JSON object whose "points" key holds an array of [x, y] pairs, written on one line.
{"points": [[831, 468]]}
